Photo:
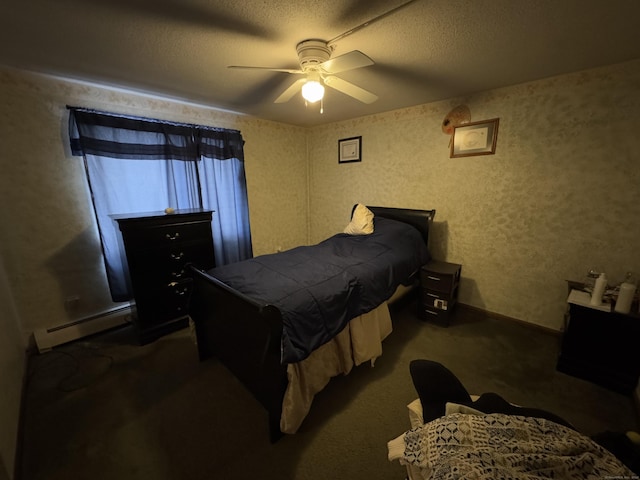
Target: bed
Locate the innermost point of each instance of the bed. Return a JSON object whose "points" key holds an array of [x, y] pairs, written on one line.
{"points": [[285, 336]]}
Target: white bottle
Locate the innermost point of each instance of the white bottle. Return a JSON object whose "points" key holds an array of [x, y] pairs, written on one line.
{"points": [[598, 290], [625, 297]]}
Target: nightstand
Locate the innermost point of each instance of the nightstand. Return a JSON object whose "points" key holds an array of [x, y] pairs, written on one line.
{"points": [[439, 282], [600, 346]]}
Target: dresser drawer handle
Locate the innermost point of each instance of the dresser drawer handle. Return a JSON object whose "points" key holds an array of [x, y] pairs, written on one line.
{"points": [[176, 290], [433, 278], [433, 295], [175, 236], [177, 256], [177, 274]]}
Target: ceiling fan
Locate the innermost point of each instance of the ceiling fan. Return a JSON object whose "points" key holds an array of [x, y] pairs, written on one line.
{"points": [[319, 69]]}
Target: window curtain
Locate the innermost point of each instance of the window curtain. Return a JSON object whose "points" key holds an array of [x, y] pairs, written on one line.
{"points": [[222, 169], [137, 165]]}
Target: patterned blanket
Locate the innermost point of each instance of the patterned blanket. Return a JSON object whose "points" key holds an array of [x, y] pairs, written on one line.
{"points": [[497, 446]]}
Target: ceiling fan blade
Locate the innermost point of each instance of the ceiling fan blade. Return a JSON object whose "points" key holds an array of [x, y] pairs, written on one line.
{"points": [[284, 70], [288, 94], [348, 61], [367, 23], [350, 89]]}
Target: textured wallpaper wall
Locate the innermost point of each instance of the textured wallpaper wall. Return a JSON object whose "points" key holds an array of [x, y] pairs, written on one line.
{"points": [[559, 196], [49, 241]]}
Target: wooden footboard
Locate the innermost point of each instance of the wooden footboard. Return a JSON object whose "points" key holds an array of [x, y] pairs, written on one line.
{"points": [[245, 336]]}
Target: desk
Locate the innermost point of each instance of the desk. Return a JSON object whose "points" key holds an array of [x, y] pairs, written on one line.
{"points": [[601, 346]]}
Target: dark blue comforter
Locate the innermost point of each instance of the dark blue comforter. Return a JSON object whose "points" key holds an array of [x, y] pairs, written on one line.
{"points": [[319, 288]]}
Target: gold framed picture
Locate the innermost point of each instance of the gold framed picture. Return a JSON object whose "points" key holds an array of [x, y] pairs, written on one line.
{"points": [[476, 138]]}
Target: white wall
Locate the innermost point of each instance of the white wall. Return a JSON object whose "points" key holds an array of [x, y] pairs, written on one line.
{"points": [[560, 195]]}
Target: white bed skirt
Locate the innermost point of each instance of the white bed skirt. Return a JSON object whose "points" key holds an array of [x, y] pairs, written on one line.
{"points": [[360, 341]]}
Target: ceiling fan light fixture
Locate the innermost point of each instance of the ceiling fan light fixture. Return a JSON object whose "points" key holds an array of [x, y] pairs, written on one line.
{"points": [[312, 91]]}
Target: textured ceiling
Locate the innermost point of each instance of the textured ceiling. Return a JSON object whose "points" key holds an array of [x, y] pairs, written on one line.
{"points": [[427, 51]]}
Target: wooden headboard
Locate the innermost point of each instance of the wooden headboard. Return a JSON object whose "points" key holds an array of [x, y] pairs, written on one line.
{"points": [[420, 219]]}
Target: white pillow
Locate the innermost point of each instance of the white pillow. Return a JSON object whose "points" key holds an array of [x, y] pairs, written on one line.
{"points": [[457, 408], [361, 221]]}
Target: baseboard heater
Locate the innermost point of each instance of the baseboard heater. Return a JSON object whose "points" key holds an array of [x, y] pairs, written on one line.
{"points": [[51, 337]]}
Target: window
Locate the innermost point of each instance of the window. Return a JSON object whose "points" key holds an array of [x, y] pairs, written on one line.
{"points": [[136, 165]]}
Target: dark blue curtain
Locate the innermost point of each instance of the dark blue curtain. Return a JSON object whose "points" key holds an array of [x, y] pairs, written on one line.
{"points": [[136, 165]]}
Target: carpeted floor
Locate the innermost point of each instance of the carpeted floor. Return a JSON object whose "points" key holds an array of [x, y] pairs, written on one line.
{"points": [[105, 408]]}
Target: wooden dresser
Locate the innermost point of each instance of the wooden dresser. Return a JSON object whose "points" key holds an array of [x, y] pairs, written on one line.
{"points": [[158, 247]]}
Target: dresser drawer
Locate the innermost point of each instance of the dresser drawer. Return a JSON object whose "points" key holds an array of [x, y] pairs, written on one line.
{"points": [[159, 266], [166, 235], [156, 306]]}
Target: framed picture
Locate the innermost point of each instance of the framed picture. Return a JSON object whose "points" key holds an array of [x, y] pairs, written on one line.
{"points": [[476, 138], [350, 150]]}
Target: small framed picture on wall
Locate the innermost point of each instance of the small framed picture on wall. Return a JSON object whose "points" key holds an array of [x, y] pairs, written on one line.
{"points": [[477, 138], [350, 150]]}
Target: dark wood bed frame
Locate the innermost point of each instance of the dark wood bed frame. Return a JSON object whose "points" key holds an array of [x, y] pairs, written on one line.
{"points": [[245, 335]]}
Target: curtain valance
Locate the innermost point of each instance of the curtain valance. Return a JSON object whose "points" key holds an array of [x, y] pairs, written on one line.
{"points": [[111, 135], [220, 144]]}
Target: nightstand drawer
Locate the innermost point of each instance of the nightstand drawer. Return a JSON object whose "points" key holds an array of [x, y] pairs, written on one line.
{"points": [[435, 315], [440, 276], [433, 281], [436, 300]]}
